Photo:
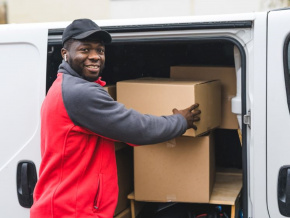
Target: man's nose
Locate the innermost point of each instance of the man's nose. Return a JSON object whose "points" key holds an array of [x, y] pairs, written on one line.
{"points": [[94, 55]]}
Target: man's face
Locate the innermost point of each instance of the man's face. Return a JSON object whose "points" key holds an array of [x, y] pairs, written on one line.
{"points": [[87, 58]]}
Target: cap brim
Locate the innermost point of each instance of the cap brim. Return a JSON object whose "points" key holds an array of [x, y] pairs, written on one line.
{"points": [[97, 34]]}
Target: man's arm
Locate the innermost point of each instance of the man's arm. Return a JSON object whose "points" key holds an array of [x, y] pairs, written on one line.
{"points": [[90, 106]]}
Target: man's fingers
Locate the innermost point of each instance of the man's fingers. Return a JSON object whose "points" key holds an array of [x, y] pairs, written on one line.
{"points": [[196, 119], [196, 112], [194, 106], [190, 114]]}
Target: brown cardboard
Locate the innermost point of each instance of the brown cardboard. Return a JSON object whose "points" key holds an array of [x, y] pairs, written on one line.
{"points": [[124, 214], [158, 97], [120, 145], [111, 89], [227, 77], [124, 159], [180, 170]]}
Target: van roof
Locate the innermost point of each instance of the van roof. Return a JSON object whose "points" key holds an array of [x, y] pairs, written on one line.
{"points": [[145, 21]]}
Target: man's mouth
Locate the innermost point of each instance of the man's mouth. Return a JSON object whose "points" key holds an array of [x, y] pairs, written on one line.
{"points": [[93, 68]]}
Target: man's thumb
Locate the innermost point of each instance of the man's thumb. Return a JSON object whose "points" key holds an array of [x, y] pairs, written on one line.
{"points": [[174, 111]]}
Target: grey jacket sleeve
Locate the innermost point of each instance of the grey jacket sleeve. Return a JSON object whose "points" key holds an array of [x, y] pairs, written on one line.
{"points": [[90, 106]]}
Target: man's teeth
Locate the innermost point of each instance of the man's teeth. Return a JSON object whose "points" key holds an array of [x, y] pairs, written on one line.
{"points": [[94, 67]]}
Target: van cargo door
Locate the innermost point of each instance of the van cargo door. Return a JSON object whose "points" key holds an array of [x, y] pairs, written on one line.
{"points": [[23, 51], [278, 116]]}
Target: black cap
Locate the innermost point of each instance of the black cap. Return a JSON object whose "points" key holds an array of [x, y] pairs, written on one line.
{"points": [[83, 28]]}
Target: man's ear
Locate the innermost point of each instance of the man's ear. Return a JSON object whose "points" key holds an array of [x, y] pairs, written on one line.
{"points": [[64, 54]]}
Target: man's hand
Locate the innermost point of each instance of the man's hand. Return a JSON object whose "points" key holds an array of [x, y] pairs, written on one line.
{"points": [[190, 114]]}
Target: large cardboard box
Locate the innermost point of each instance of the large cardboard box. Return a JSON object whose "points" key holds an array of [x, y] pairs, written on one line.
{"points": [[180, 170], [124, 159], [158, 96], [227, 77], [111, 89]]}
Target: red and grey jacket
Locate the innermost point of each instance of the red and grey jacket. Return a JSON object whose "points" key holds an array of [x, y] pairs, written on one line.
{"points": [[79, 124]]}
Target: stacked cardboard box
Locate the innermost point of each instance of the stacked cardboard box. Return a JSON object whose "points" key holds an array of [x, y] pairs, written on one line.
{"points": [[124, 160], [227, 77], [182, 169], [111, 89], [124, 214], [158, 96]]}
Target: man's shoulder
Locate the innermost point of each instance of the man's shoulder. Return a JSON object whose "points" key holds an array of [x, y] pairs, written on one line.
{"points": [[75, 88]]}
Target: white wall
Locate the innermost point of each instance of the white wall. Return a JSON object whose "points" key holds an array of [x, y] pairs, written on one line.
{"points": [[25, 11], [205, 7], [150, 8]]}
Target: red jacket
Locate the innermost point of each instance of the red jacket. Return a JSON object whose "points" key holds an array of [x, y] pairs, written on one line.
{"points": [[78, 174], [74, 171]]}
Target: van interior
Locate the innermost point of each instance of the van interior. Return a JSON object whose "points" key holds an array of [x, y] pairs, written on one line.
{"points": [[153, 58]]}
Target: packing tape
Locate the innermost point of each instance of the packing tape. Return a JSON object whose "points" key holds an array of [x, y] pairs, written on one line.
{"points": [[171, 143], [171, 198]]}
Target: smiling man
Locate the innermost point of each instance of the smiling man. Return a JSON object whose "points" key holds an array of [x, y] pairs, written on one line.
{"points": [[79, 124], [85, 57]]}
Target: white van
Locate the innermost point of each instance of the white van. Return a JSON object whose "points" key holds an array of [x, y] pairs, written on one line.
{"points": [[255, 44]]}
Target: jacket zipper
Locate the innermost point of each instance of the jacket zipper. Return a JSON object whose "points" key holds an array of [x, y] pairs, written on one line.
{"points": [[98, 195]]}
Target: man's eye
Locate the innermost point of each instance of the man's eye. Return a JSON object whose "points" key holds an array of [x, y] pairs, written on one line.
{"points": [[84, 49], [101, 50]]}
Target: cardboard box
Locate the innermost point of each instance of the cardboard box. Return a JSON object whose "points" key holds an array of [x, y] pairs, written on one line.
{"points": [[124, 159], [111, 89], [158, 96], [227, 77], [180, 170], [124, 214]]}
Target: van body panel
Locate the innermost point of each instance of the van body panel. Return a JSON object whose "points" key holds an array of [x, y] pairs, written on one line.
{"points": [[23, 69], [256, 103], [278, 118]]}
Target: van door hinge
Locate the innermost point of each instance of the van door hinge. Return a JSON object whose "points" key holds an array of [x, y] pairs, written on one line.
{"points": [[247, 119]]}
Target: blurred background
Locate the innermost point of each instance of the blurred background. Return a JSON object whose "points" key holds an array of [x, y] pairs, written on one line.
{"points": [[31, 11]]}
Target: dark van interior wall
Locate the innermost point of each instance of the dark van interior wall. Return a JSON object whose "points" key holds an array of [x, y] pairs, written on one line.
{"points": [[143, 59]]}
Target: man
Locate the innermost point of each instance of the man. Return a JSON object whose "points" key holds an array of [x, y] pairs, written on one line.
{"points": [[80, 122]]}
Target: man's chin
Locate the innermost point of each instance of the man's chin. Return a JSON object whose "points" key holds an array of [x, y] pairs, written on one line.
{"points": [[92, 78]]}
